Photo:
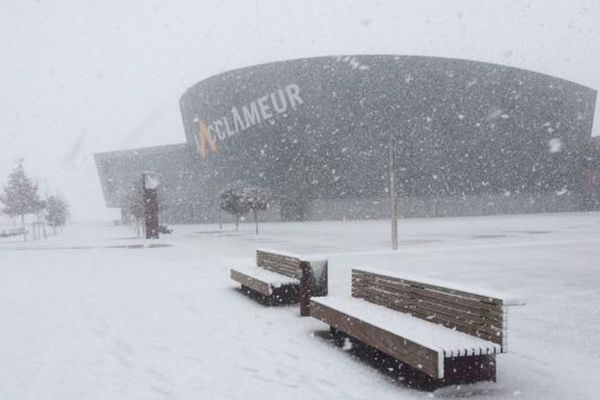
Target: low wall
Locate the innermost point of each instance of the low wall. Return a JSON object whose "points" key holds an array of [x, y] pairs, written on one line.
{"points": [[377, 208]]}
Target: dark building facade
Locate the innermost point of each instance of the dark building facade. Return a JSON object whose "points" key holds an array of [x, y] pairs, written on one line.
{"points": [[469, 138]]}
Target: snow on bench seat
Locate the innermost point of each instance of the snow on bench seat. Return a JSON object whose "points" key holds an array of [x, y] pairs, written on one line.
{"points": [[445, 341], [262, 280]]}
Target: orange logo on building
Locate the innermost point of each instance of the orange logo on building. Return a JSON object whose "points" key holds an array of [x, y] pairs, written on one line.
{"points": [[206, 142]]}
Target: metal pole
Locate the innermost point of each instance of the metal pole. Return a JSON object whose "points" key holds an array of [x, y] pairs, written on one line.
{"points": [[393, 207], [255, 220]]}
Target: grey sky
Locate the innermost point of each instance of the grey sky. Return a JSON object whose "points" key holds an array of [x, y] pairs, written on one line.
{"points": [[77, 77]]}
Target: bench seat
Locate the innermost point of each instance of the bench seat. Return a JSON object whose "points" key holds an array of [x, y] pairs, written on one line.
{"points": [[262, 280], [447, 342]]}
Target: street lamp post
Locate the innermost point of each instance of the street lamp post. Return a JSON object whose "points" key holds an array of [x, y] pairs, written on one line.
{"points": [[393, 205]]}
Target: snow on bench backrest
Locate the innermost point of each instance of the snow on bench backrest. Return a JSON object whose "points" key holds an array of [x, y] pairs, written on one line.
{"points": [[469, 311]]}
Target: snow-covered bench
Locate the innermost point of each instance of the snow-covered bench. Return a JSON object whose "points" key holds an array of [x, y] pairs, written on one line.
{"points": [[281, 278], [450, 333]]}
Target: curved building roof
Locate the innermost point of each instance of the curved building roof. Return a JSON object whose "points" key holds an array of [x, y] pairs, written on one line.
{"points": [[323, 125]]}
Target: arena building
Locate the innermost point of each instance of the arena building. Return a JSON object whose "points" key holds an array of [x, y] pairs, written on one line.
{"points": [[469, 138]]}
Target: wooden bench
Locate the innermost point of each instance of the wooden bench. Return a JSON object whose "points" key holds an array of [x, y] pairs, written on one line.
{"points": [[280, 278], [450, 334]]}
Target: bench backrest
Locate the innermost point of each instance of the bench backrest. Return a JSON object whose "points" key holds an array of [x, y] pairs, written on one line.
{"points": [[282, 264], [311, 273], [475, 314]]}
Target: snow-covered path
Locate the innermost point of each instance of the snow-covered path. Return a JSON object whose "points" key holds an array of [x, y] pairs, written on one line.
{"points": [[83, 316]]}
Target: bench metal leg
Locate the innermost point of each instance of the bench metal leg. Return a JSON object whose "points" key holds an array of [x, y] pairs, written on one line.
{"points": [[470, 369]]}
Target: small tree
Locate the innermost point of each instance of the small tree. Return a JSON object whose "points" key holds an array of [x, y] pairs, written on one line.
{"points": [[20, 196], [239, 198], [134, 204], [257, 199], [58, 211], [231, 201]]}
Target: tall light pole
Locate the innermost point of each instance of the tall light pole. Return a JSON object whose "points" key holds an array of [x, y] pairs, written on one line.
{"points": [[393, 206]]}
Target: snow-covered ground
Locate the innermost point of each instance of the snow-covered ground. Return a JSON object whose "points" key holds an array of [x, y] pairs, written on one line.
{"points": [[83, 316]]}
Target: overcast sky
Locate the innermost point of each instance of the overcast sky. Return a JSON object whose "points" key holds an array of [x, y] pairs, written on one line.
{"points": [[78, 77]]}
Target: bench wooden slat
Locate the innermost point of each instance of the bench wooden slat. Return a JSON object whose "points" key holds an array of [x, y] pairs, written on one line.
{"points": [[417, 295], [410, 282], [428, 296], [471, 313], [361, 279], [283, 264], [430, 311], [483, 332], [291, 272], [415, 301]]}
